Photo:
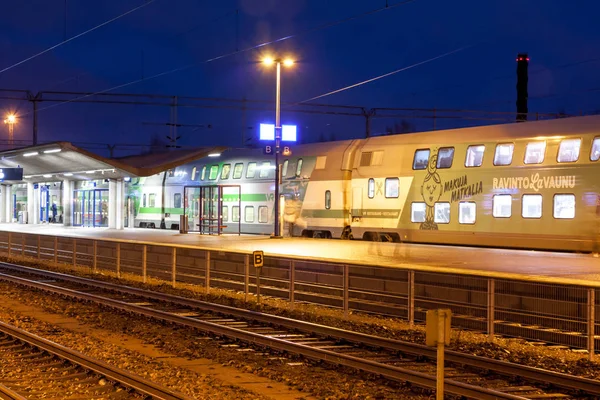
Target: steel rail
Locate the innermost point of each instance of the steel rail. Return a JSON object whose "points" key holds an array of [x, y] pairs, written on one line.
{"points": [[388, 371], [505, 368], [128, 379], [9, 394]]}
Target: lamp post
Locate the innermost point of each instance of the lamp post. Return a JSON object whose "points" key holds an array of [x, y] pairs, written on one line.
{"points": [[10, 120], [287, 63]]}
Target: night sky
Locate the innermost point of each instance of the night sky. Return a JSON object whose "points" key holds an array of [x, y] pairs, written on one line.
{"points": [[562, 39]]}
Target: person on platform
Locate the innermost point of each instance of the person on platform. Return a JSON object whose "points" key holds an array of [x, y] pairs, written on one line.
{"points": [[54, 212]]}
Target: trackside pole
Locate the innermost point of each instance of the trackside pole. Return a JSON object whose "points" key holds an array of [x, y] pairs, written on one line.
{"points": [[437, 333]]}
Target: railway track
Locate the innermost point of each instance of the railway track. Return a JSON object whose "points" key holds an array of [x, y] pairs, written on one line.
{"points": [[35, 368], [470, 376]]}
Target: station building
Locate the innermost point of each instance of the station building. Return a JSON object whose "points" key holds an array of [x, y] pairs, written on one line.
{"points": [[64, 184]]}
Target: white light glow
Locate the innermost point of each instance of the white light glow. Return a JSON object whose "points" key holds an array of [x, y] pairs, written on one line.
{"points": [[33, 153], [52, 151], [214, 154], [68, 174], [27, 176], [47, 176]]}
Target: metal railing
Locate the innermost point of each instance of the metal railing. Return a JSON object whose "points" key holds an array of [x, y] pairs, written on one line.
{"points": [[563, 314]]}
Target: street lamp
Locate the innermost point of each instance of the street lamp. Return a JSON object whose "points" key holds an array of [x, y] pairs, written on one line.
{"points": [[288, 63], [11, 119]]}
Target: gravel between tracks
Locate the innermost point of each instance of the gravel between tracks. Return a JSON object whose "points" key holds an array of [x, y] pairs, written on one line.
{"points": [[321, 382]]}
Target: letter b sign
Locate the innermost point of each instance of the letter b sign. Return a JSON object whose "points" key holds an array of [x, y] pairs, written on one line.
{"points": [[259, 258]]}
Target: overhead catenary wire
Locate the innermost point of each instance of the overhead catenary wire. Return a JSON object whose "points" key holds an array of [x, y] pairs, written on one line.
{"points": [[244, 50], [147, 2]]}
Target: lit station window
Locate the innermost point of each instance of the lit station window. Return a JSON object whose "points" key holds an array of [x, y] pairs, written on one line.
{"points": [[392, 187], [421, 159], [564, 206], [534, 152], [532, 206], [264, 169], [225, 171], [251, 171], [474, 156], [504, 154], [214, 172], [568, 150], [284, 168], [466, 212], [441, 213], [417, 212], [502, 206]]}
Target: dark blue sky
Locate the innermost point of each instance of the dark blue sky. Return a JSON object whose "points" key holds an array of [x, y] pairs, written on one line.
{"points": [[561, 38]]}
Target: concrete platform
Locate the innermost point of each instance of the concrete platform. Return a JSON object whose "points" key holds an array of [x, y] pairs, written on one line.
{"points": [[501, 263]]}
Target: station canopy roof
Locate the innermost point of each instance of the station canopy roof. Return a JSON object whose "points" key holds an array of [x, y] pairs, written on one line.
{"points": [[61, 160]]}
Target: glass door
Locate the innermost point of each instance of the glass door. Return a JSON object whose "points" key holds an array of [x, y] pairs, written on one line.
{"points": [[44, 204], [100, 207], [90, 208]]}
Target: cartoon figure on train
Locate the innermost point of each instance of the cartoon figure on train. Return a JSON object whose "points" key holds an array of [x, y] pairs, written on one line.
{"points": [[431, 190]]}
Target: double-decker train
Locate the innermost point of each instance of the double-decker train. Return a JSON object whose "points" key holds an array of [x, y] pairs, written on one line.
{"points": [[523, 185]]}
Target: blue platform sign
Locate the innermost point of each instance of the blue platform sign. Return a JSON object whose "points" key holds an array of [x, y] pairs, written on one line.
{"points": [[11, 174]]}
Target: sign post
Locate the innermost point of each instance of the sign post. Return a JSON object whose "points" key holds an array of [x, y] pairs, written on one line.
{"points": [[258, 257], [437, 333]]}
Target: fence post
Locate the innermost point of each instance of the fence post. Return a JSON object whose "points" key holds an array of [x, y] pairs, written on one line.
{"points": [[74, 252], [174, 266], [207, 272], [346, 288], [144, 263], [491, 308], [39, 253], [55, 249], [292, 280], [95, 257], [118, 260], [246, 276], [411, 298], [591, 328], [9, 242]]}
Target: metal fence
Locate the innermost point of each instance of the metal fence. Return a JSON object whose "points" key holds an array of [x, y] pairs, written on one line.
{"points": [[560, 314]]}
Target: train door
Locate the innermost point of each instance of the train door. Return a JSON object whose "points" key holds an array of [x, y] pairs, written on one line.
{"points": [[44, 203]]}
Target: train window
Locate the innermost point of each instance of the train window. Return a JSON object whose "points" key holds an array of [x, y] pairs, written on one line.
{"points": [[532, 206], [564, 206], [265, 166], [152, 200], [225, 171], [474, 156], [249, 214], [502, 206], [595, 154], [371, 188], [327, 199], [214, 172], [321, 161], [237, 170], [391, 188], [284, 168], [421, 159], [251, 171], [534, 152], [569, 150], [203, 174], [417, 212], [235, 213], [263, 214], [144, 200], [441, 213], [504, 154], [299, 168], [194, 173], [225, 213], [466, 212], [177, 200], [445, 157], [365, 158]]}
